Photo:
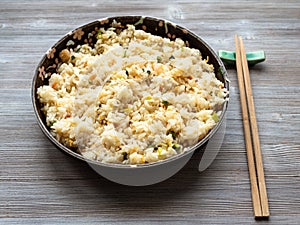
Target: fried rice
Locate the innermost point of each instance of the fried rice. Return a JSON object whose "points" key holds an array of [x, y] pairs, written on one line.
{"points": [[132, 98]]}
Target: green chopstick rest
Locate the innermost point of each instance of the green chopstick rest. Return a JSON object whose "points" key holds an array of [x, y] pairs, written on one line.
{"points": [[228, 57]]}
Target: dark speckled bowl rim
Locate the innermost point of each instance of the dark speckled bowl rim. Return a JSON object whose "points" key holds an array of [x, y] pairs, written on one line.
{"points": [[138, 19]]}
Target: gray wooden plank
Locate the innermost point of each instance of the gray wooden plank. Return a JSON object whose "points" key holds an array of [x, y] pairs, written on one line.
{"points": [[41, 185]]}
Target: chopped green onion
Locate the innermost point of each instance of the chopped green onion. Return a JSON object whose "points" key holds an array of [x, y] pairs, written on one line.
{"points": [[99, 34], [171, 57], [52, 123], [176, 146], [72, 57], [173, 133], [159, 59], [77, 50], [165, 103], [215, 117], [149, 72], [127, 73]]}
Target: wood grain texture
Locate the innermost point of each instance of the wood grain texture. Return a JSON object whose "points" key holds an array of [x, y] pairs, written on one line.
{"points": [[41, 185]]}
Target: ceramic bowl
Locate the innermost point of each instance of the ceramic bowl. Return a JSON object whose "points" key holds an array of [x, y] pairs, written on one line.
{"points": [[141, 174]]}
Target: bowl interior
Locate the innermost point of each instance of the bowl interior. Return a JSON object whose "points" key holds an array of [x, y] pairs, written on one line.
{"points": [[87, 34]]}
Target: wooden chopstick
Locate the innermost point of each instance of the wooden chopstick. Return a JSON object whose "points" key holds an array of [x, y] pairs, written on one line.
{"points": [[255, 136], [247, 133], [258, 186]]}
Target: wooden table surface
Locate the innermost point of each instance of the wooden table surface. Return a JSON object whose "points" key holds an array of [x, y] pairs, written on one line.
{"points": [[39, 184]]}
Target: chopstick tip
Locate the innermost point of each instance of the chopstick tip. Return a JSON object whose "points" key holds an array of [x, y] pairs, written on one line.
{"points": [[261, 217]]}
